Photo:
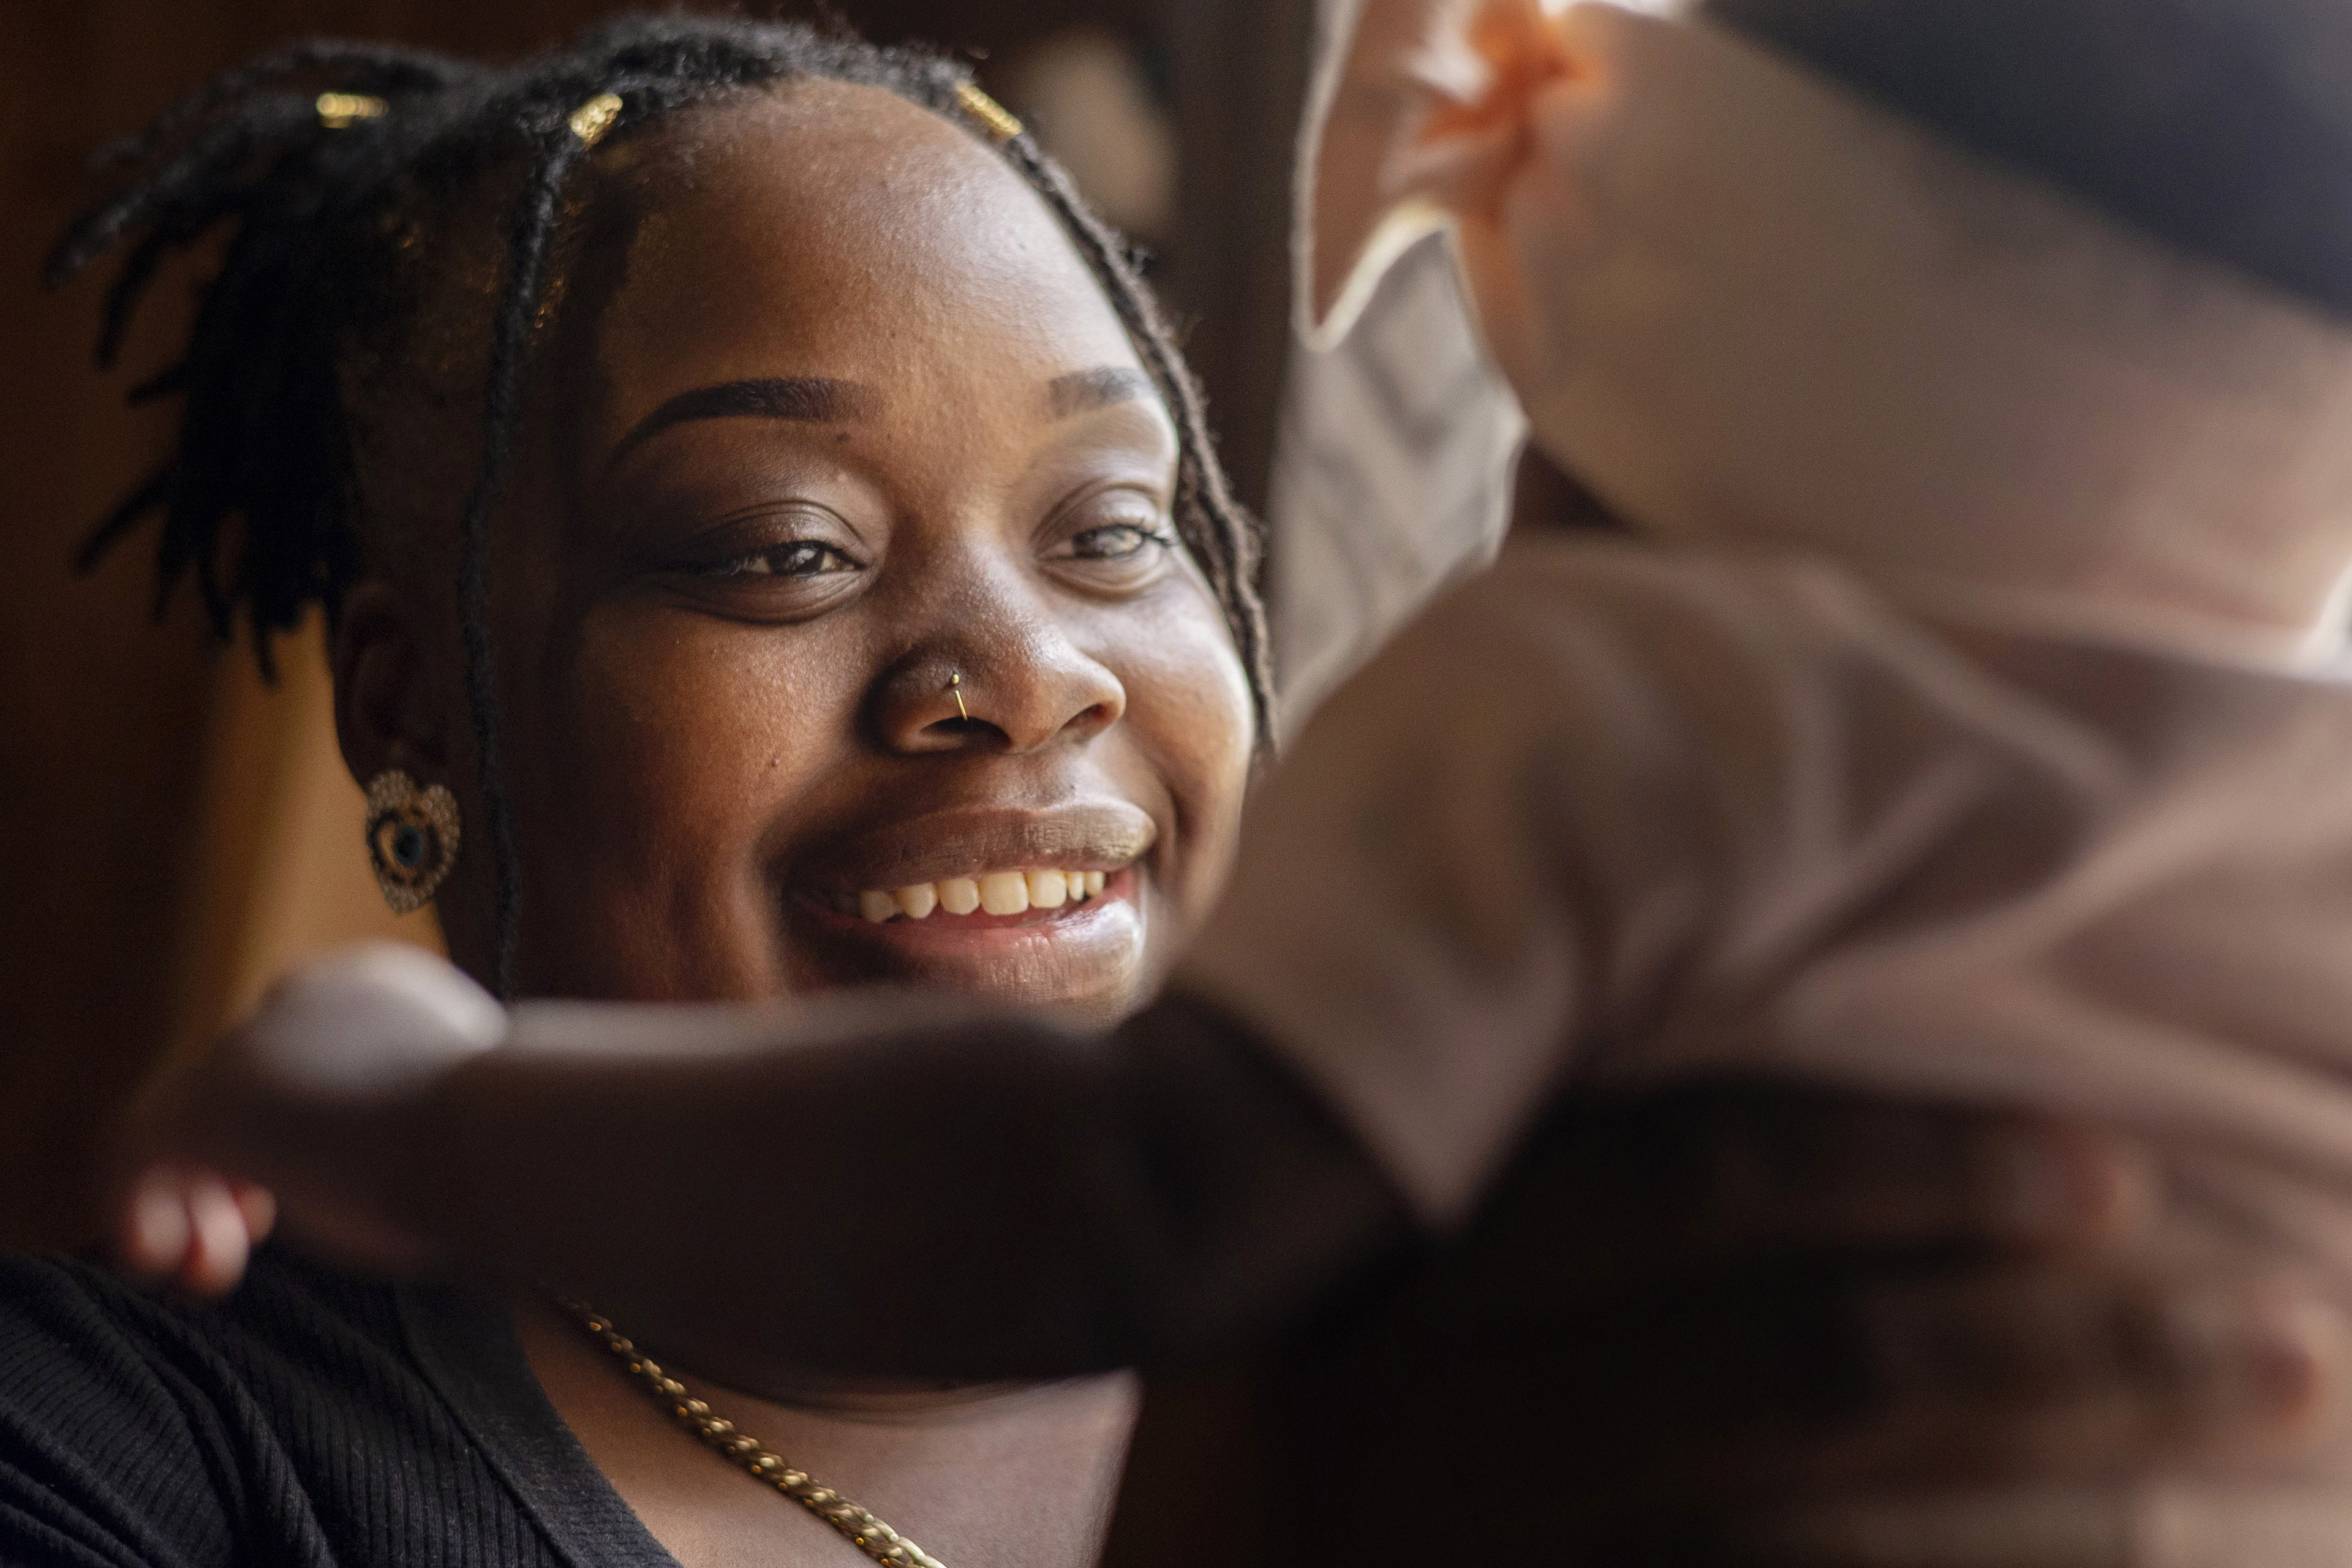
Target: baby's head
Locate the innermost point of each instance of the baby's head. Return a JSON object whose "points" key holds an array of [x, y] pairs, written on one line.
{"points": [[2053, 293]]}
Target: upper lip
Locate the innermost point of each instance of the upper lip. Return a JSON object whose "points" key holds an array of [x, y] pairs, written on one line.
{"points": [[966, 841]]}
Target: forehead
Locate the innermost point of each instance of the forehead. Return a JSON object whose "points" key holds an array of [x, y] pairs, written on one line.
{"points": [[835, 230]]}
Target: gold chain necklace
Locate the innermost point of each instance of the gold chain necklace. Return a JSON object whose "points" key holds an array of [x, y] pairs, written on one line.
{"points": [[855, 1524]]}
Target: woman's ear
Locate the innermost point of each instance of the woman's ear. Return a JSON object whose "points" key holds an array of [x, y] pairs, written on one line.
{"points": [[389, 712]]}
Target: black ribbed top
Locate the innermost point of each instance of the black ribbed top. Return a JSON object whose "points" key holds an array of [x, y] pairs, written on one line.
{"points": [[2223, 127], [310, 1421]]}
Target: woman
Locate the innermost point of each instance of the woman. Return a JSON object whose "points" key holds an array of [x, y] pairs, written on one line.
{"points": [[832, 520]]}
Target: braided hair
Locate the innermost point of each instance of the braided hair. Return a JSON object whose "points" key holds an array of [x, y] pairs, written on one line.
{"points": [[259, 499]]}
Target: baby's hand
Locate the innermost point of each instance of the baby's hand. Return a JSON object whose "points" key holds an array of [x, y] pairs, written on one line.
{"points": [[308, 1107], [190, 1227]]}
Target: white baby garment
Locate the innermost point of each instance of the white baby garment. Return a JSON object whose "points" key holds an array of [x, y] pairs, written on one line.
{"points": [[1618, 815]]}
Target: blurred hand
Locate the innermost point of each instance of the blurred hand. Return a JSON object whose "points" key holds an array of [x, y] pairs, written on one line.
{"points": [[189, 1227], [1691, 1310], [299, 1113]]}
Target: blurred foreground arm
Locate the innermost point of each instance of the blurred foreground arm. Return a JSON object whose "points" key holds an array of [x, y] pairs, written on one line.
{"points": [[1679, 1310], [880, 1183]]}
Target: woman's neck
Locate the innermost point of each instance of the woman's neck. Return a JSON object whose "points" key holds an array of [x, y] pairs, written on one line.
{"points": [[1024, 1474], [758, 1376]]}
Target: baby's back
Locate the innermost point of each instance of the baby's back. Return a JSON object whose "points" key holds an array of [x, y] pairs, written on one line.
{"points": [[2062, 869], [1620, 813], [1615, 815]]}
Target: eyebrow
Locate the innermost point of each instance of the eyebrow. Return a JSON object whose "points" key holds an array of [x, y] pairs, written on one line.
{"points": [[1084, 391], [808, 399]]}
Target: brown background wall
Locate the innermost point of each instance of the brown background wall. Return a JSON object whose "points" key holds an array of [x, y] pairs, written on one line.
{"points": [[172, 832]]}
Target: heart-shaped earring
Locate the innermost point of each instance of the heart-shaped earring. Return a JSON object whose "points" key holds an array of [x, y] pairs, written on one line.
{"points": [[411, 838]]}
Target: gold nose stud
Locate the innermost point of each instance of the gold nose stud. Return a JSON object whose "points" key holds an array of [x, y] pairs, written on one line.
{"points": [[955, 685]]}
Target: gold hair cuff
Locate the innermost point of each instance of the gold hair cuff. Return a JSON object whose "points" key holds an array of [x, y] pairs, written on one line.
{"points": [[993, 117], [342, 110], [593, 118]]}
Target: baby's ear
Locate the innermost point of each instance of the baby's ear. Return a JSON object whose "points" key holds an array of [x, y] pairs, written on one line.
{"points": [[1429, 119]]}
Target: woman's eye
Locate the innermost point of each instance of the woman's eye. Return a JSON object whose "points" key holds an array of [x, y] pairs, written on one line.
{"points": [[800, 558], [1118, 541], [1114, 555], [742, 574]]}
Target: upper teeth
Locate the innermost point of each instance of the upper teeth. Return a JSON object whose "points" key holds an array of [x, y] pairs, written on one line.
{"points": [[997, 892]]}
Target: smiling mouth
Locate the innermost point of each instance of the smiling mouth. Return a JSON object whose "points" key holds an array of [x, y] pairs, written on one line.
{"points": [[989, 898], [1069, 927]]}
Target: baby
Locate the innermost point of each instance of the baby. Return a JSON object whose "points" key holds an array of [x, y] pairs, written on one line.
{"points": [[1965, 717]]}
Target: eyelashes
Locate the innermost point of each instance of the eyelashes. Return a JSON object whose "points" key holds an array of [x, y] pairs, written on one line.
{"points": [[1113, 556], [799, 558], [1109, 543], [771, 581], [798, 561], [1119, 540]]}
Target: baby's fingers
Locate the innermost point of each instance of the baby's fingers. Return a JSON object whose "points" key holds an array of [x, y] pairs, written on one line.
{"points": [[152, 1229], [219, 1243], [192, 1227]]}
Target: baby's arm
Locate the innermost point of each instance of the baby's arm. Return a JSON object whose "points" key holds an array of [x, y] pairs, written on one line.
{"points": [[869, 1184], [926, 1191]]}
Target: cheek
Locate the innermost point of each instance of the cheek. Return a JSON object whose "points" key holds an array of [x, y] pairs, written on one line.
{"points": [[682, 742], [1188, 712]]}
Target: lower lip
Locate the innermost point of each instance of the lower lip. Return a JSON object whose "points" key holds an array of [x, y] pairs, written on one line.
{"points": [[1088, 949]]}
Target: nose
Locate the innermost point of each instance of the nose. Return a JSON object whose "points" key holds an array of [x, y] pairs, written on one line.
{"points": [[1019, 685]]}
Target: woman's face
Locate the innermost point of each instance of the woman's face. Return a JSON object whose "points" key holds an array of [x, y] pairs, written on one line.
{"points": [[838, 430]]}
